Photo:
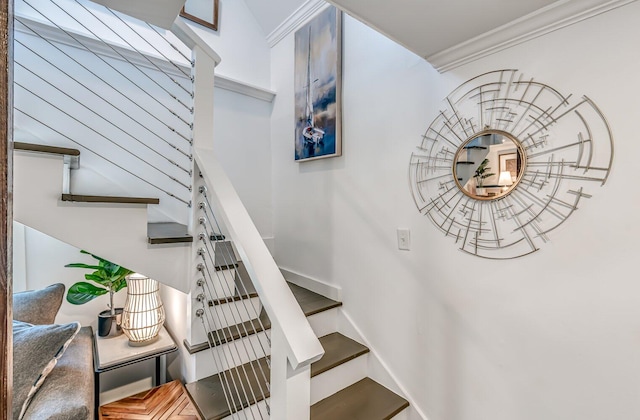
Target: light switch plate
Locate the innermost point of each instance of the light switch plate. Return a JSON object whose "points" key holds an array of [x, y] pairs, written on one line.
{"points": [[404, 239]]}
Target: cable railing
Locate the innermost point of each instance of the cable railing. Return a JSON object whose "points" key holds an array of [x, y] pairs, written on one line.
{"points": [[243, 368], [132, 108]]}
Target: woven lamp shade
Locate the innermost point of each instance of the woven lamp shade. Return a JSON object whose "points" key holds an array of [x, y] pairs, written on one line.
{"points": [[143, 313]]}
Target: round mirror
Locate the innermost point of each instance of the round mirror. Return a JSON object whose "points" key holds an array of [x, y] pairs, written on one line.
{"points": [[489, 165]]}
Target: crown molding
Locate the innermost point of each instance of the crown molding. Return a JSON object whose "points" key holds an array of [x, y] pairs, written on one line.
{"points": [[548, 19], [293, 22]]}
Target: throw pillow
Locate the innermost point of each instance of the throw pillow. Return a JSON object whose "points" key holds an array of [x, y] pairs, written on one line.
{"points": [[38, 307], [36, 350]]}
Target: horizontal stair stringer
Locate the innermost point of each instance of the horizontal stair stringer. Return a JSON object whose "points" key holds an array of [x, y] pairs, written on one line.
{"points": [[114, 231]]}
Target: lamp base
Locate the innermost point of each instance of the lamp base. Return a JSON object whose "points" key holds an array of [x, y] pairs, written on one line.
{"points": [[144, 342]]}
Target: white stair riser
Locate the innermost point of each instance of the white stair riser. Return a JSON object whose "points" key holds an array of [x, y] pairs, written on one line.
{"points": [[325, 322], [221, 316], [219, 283], [229, 355], [233, 313], [258, 411], [333, 380]]}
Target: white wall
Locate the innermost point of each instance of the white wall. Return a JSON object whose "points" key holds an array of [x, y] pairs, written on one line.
{"points": [[553, 335], [240, 43], [242, 142]]}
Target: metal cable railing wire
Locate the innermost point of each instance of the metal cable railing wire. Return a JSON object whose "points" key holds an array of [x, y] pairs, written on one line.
{"points": [[122, 94], [143, 38], [207, 208], [223, 374], [240, 295], [188, 203], [100, 116], [237, 322], [85, 47], [189, 60], [242, 289], [124, 57], [178, 84], [101, 135], [228, 338]]}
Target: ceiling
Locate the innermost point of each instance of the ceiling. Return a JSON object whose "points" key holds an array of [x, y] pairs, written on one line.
{"points": [[443, 31]]}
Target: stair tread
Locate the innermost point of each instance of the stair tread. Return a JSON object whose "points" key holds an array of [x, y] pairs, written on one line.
{"points": [[168, 232], [208, 393], [364, 400], [108, 199], [32, 147], [310, 302], [338, 349]]}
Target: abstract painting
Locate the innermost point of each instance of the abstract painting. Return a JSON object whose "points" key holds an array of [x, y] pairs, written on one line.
{"points": [[317, 87]]}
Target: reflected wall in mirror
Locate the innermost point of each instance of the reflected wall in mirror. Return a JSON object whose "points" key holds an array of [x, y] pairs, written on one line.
{"points": [[489, 165]]}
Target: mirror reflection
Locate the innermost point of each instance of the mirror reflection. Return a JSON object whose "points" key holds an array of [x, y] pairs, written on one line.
{"points": [[489, 166]]}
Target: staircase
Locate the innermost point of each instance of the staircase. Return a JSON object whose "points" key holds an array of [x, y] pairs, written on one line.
{"points": [[340, 389], [254, 344]]}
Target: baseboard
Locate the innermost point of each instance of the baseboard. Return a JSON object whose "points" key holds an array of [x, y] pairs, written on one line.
{"points": [[378, 370], [325, 289]]}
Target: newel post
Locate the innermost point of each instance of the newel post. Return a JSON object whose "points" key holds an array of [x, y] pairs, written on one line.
{"points": [[290, 389]]}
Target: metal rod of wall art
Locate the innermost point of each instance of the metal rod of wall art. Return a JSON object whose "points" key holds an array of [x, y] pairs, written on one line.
{"points": [[498, 123]]}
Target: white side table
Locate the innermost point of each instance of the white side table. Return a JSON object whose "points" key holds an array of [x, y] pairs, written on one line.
{"points": [[115, 352]]}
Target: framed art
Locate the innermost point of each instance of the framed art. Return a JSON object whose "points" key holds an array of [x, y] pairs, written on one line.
{"points": [[318, 87], [202, 12], [509, 162]]}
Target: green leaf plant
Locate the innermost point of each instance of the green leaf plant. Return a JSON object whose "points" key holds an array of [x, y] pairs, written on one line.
{"points": [[481, 174], [109, 277]]}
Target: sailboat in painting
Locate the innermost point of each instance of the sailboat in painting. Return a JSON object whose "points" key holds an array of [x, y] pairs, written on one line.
{"points": [[312, 134]]}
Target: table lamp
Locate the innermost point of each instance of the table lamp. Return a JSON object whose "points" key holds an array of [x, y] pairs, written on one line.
{"points": [[505, 180], [143, 313]]}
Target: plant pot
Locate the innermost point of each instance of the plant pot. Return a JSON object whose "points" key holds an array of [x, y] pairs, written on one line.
{"points": [[110, 325]]}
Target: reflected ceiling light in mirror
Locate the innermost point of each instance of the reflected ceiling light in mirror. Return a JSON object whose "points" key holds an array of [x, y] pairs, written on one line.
{"points": [[559, 148]]}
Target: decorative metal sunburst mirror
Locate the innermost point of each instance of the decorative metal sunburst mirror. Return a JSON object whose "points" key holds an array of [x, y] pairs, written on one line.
{"points": [[507, 161]]}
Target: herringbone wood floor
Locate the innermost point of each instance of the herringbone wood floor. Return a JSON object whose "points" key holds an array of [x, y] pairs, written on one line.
{"points": [[166, 402]]}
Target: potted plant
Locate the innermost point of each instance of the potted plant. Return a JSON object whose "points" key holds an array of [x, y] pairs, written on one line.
{"points": [[110, 278], [481, 174]]}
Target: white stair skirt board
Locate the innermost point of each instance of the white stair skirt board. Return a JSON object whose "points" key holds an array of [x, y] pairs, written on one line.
{"points": [[37, 192], [341, 376], [224, 357]]}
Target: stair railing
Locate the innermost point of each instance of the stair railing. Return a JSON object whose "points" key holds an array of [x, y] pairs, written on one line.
{"points": [[294, 345], [136, 104], [244, 368]]}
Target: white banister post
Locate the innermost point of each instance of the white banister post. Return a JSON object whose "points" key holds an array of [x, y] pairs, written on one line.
{"points": [[290, 390], [203, 99]]}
